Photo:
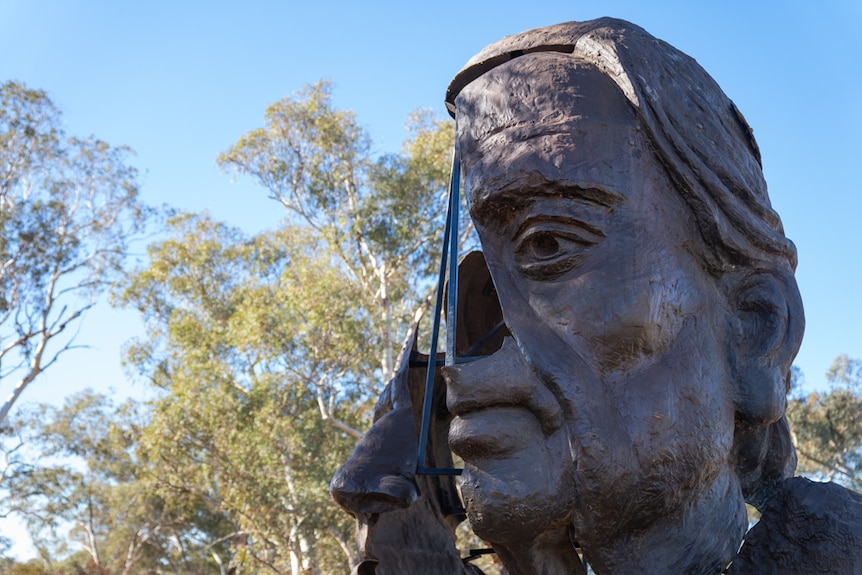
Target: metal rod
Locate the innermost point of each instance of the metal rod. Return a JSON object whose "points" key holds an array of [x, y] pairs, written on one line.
{"points": [[481, 342], [452, 307], [438, 471], [458, 360], [435, 328]]}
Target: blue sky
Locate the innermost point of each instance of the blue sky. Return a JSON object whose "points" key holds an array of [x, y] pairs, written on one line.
{"points": [[179, 82]]}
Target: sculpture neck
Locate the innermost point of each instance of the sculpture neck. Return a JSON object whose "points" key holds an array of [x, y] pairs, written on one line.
{"points": [[701, 539]]}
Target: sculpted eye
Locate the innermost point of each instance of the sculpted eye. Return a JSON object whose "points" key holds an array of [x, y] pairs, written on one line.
{"points": [[541, 246], [546, 250]]}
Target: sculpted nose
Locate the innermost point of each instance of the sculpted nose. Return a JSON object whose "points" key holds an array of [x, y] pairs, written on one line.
{"points": [[501, 379], [380, 475]]}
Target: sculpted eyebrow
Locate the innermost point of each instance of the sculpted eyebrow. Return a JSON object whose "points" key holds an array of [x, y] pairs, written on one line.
{"points": [[596, 194], [518, 197], [553, 221]]}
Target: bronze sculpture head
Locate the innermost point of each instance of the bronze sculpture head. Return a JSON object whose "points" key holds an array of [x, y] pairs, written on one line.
{"points": [[622, 211], [649, 291]]}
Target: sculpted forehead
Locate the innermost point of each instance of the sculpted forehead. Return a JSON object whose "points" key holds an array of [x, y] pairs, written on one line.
{"points": [[545, 117], [543, 88]]}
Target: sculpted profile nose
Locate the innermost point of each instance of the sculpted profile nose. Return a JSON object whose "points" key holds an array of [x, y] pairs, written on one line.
{"points": [[380, 475]]}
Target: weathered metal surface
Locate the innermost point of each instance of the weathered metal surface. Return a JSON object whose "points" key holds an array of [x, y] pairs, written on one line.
{"points": [[649, 292]]}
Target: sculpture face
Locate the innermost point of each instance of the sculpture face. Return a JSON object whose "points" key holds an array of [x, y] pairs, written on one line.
{"points": [[648, 287], [614, 410]]}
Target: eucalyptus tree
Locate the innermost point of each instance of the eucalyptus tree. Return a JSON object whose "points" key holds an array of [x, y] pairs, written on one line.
{"points": [[270, 350], [267, 352], [68, 209], [827, 426], [89, 500], [242, 333], [380, 217]]}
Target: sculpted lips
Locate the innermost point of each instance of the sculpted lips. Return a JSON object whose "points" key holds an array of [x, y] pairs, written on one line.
{"points": [[496, 402], [493, 432]]}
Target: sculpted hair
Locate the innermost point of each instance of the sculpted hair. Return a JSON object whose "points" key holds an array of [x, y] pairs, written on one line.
{"points": [[710, 154]]}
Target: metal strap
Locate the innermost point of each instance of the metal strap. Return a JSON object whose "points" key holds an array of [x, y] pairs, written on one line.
{"points": [[449, 256]]}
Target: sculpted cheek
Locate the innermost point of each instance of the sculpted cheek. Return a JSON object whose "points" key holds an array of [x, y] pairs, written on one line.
{"points": [[618, 329], [666, 307]]}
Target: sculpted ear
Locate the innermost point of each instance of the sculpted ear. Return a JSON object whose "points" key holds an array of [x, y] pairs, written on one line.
{"points": [[768, 323]]}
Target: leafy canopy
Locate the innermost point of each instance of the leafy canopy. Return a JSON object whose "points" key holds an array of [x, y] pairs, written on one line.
{"points": [[69, 209], [827, 426]]}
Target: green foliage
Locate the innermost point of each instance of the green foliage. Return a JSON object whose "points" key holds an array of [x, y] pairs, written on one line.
{"points": [[88, 498], [828, 426], [256, 343], [266, 353], [68, 210], [32, 567], [270, 351], [379, 219]]}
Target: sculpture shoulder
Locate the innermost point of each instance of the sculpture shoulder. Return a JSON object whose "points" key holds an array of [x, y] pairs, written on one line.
{"points": [[806, 528]]}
